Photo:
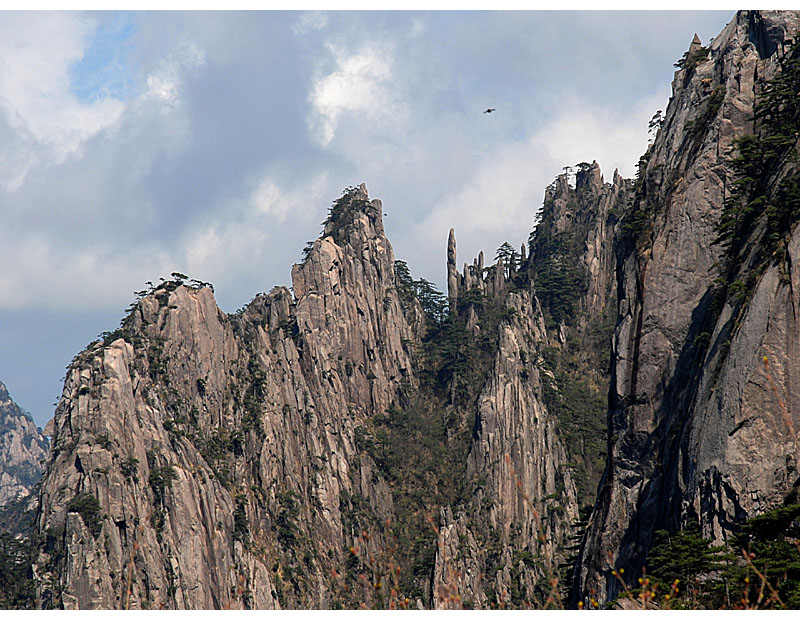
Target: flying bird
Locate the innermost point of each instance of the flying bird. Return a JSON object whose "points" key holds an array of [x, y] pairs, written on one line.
{"points": [[489, 110]]}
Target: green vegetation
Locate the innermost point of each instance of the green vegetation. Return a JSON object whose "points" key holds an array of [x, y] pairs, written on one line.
{"points": [[16, 577], [129, 468], [404, 283], [432, 301], [421, 443], [419, 451], [689, 558], [340, 215], [219, 449], [575, 369], [16, 554], [708, 112], [241, 525], [689, 60], [760, 567], [559, 278], [636, 216], [160, 479], [580, 405], [656, 123], [293, 566], [161, 292], [87, 506], [287, 528], [770, 540], [759, 212], [510, 258]]}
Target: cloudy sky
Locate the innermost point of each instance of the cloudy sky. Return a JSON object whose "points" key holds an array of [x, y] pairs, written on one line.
{"points": [[133, 145]]}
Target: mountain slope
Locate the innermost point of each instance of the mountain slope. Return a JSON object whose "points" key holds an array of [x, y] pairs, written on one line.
{"points": [[204, 460], [364, 440], [701, 427], [22, 450]]}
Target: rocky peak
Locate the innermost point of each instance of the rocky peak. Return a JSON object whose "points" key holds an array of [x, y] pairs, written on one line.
{"points": [[347, 302], [491, 281], [576, 222], [681, 361], [769, 31], [235, 432], [354, 214], [288, 454], [23, 449], [588, 178], [695, 45], [452, 269], [517, 469]]}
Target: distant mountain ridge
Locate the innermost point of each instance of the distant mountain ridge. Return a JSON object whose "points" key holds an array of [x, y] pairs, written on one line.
{"points": [[23, 450]]}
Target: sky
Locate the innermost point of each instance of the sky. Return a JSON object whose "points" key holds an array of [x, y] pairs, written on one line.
{"points": [[136, 144]]}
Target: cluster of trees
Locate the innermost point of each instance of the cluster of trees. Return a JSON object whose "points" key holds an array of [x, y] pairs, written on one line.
{"points": [[512, 260], [16, 583], [690, 60], [559, 279], [434, 303], [339, 214], [760, 566], [432, 300], [178, 279]]}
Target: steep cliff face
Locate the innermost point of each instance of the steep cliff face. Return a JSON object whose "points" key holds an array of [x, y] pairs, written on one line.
{"points": [[572, 264], [202, 460], [701, 427], [288, 455], [23, 449], [538, 447], [503, 543], [572, 247]]}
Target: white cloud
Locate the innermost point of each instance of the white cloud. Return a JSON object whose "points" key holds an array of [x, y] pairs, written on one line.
{"points": [[360, 84], [79, 171], [498, 199], [614, 136], [83, 277], [417, 28], [48, 122], [233, 243], [45, 122], [310, 20], [237, 240], [165, 82], [266, 199], [493, 205]]}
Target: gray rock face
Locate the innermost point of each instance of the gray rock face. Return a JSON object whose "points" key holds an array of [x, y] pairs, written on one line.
{"points": [[509, 536], [523, 498], [23, 449], [695, 434], [204, 460], [580, 219], [572, 266], [219, 450]]}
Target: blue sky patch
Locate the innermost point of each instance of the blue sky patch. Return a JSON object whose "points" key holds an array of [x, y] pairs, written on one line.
{"points": [[104, 71]]}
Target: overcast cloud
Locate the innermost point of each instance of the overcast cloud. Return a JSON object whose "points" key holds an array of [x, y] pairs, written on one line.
{"points": [[137, 144]]}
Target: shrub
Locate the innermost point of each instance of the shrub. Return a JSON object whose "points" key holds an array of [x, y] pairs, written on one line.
{"points": [[88, 507]]}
